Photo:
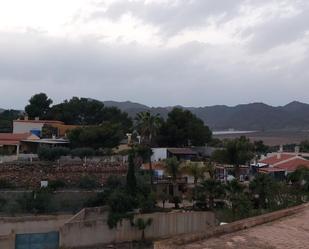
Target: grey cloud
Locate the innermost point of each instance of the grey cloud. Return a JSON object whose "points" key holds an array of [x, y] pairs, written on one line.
{"points": [[172, 18], [193, 74], [279, 30]]}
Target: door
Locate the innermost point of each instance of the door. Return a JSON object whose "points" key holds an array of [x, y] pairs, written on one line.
{"points": [[37, 241]]}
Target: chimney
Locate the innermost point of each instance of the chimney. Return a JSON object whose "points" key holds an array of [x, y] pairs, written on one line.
{"points": [[297, 149], [36, 118], [129, 135], [26, 117], [281, 149], [279, 156]]}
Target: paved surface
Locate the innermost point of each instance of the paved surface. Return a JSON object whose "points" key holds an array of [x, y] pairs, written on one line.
{"points": [[288, 233]]}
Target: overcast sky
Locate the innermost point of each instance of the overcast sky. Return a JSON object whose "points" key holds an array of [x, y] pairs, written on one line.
{"points": [[156, 52]]}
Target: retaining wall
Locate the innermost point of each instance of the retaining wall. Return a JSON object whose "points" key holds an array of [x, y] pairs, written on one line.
{"points": [[178, 242], [95, 231]]}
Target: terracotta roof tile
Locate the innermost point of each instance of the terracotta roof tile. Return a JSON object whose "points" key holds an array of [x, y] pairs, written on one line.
{"points": [[276, 159]]}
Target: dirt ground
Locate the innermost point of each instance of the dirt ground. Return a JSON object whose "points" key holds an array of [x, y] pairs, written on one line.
{"points": [[272, 138], [287, 233]]}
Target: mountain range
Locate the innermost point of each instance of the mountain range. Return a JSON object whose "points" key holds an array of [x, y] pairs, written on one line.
{"points": [[255, 116]]}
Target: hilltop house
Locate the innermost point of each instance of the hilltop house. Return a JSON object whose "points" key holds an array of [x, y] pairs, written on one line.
{"points": [[180, 153], [280, 164]]}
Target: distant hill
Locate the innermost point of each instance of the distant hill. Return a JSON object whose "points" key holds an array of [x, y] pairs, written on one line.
{"points": [[255, 116]]}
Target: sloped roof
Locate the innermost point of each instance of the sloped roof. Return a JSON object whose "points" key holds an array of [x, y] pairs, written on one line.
{"points": [[15, 138], [40, 121], [182, 151], [292, 165], [275, 159]]}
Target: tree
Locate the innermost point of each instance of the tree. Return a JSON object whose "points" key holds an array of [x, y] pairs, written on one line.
{"points": [[142, 224], [236, 152], [107, 135], [85, 111], [39, 106], [83, 153], [52, 154], [264, 188], [173, 168], [147, 126], [182, 128], [209, 190], [196, 170], [304, 146], [6, 120], [131, 178]]}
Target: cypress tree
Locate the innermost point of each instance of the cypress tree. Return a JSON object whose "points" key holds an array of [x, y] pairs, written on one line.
{"points": [[131, 178]]}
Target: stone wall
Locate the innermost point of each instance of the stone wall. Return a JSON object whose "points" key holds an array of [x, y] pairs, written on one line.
{"points": [[26, 175], [91, 229], [179, 242]]}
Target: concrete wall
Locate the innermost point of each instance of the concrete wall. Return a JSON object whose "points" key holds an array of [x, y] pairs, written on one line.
{"points": [[95, 231], [179, 242], [23, 127], [32, 224], [10, 226], [158, 154]]}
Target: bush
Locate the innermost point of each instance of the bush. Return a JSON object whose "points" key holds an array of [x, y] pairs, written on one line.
{"points": [[52, 154], [39, 201], [57, 184], [5, 184], [88, 182], [83, 152]]}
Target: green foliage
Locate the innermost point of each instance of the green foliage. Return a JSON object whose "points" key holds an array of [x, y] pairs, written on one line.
{"points": [[300, 179], [264, 189], [39, 106], [57, 184], [114, 182], [260, 148], [208, 191], [182, 128], [52, 154], [173, 168], [131, 178], [83, 153], [238, 151], [107, 135], [142, 224], [48, 131], [304, 146], [39, 201], [195, 169], [6, 120], [120, 203], [88, 182], [6, 184], [147, 125], [85, 111]]}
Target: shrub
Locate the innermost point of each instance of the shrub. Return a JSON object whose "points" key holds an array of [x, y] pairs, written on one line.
{"points": [[57, 184], [88, 182], [83, 152], [52, 154], [4, 184]]}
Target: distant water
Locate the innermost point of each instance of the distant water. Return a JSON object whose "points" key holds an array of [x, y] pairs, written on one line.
{"points": [[231, 132]]}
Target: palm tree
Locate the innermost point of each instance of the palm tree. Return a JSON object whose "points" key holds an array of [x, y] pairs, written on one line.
{"points": [[147, 125], [142, 224], [173, 168], [196, 170]]}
